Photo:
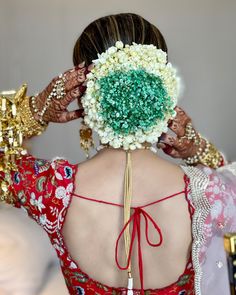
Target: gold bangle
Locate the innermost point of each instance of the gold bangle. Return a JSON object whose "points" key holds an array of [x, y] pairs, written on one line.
{"points": [[212, 158], [30, 126]]}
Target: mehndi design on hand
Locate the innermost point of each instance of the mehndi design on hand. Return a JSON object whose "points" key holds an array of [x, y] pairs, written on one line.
{"points": [[181, 146], [56, 110], [188, 144]]}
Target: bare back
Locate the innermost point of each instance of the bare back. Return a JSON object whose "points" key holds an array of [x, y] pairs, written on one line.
{"points": [[91, 229]]}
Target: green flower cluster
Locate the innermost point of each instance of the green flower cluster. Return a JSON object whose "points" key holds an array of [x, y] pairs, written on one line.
{"points": [[133, 100]]}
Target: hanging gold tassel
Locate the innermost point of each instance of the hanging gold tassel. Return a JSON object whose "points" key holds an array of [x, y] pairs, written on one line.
{"points": [[86, 138], [127, 205]]}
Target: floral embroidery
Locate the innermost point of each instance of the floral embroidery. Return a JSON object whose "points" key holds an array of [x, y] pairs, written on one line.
{"points": [[57, 245], [68, 172], [216, 209], [80, 290], [73, 265], [40, 183], [38, 203], [16, 178], [43, 219], [22, 197], [64, 193]]}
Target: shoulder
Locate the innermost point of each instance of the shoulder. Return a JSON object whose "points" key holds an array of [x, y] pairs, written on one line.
{"points": [[43, 188], [215, 190], [31, 169], [214, 182]]}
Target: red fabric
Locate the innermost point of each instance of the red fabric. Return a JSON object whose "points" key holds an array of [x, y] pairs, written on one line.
{"points": [[136, 218], [44, 190]]}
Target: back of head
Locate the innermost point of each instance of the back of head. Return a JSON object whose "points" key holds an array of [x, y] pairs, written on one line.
{"points": [[132, 90], [103, 33]]}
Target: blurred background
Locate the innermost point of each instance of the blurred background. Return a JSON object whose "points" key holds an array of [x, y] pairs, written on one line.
{"points": [[37, 39]]}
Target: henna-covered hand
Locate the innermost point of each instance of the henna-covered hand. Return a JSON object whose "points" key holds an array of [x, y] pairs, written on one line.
{"points": [[74, 88], [179, 146]]}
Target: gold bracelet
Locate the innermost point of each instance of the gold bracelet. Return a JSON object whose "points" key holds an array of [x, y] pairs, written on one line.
{"points": [[209, 156], [30, 126], [201, 152], [212, 158]]}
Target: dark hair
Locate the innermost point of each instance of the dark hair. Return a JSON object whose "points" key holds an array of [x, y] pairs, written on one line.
{"points": [[103, 33]]}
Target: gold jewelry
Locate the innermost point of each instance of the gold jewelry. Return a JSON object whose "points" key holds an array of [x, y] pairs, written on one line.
{"points": [[58, 92], [30, 126], [209, 156], [16, 122], [191, 134], [201, 152], [10, 137], [212, 158], [33, 104], [128, 190], [86, 138]]}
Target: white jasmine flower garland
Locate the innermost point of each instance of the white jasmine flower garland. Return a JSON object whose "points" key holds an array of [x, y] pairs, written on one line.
{"points": [[131, 95]]}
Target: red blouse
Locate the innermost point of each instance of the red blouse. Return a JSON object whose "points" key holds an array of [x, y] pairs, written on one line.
{"points": [[44, 190]]}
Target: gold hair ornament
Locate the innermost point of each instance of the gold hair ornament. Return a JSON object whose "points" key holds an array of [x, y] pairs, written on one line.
{"points": [[86, 138]]}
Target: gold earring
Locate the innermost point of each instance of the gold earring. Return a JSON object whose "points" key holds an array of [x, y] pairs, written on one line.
{"points": [[86, 138]]}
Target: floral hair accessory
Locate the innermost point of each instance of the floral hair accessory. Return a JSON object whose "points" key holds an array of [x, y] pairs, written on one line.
{"points": [[131, 95]]}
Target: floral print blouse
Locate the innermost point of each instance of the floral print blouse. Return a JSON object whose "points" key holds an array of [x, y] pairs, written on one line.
{"points": [[43, 189]]}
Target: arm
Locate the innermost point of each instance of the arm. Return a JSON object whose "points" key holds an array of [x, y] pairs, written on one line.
{"points": [[23, 117]]}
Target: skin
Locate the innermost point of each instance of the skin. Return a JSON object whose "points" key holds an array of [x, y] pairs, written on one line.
{"points": [[177, 146], [57, 111], [91, 229]]}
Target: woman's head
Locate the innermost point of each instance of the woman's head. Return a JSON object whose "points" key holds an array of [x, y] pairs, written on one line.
{"points": [[132, 90], [103, 33]]}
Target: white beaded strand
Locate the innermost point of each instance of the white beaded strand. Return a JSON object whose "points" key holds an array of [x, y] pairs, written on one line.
{"points": [[151, 148], [58, 92]]}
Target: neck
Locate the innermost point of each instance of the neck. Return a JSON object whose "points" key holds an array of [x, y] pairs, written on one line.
{"points": [[113, 154]]}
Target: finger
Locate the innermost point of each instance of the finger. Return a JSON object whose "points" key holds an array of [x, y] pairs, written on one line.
{"points": [[181, 145], [75, 78], [71, 96], [81, 75], [167, 139], [170, 151], [161, 145], [181, 115], [81, 65], [179, 110], [69, 116], [74, 69], [178, 127], [90, 67], [178, 124]]}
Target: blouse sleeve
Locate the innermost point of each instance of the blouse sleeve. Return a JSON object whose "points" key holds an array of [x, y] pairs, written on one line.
{"points": [[34, 187]]}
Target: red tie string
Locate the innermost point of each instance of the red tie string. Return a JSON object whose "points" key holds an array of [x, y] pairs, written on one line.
{"points": [[136, 218]]}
